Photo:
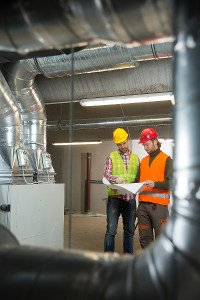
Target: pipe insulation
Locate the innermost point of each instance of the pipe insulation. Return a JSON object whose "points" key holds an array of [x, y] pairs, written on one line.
{"points": [[102, 58], [153, 76], [29, 27]]}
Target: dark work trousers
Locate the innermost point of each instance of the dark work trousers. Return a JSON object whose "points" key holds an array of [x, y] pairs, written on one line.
{"points": [[115, 207], [151, 221]]}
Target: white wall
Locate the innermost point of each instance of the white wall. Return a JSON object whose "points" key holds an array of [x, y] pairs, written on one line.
{"points": [[167, 147], [98, 192]]}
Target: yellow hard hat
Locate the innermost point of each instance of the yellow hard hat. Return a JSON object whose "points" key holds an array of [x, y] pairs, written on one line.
{"points": [[119, 135]]}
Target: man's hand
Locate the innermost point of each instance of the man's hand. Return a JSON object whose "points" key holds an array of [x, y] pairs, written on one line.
{"points": [[150, 184], [121, 180]]}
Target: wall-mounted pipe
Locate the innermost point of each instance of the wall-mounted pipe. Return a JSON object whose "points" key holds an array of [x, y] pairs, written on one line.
{"points": [[88, 180]]}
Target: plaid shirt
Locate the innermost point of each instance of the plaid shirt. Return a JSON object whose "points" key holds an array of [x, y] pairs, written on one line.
{"points": [[112, 179]]}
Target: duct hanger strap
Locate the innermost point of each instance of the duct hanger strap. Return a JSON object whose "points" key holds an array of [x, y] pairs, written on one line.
{"points": [[34, 122], [159, 195]]}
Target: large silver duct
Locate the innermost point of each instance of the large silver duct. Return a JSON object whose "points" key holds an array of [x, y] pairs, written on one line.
{"points": [[102, 58], [10, 132], [20, 77], [148, 77], [29, 27], [21, 80]]}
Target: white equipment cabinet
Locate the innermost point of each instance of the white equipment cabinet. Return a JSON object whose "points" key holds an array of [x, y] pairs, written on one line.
{"points": [[36, 216]]}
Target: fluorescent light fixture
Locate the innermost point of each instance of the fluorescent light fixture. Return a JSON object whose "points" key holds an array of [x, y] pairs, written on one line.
{"points": [[128, 99], [77, 143]]}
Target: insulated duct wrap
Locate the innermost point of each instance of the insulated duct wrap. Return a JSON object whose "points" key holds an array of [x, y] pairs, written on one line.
{"points": [[103, 58]]}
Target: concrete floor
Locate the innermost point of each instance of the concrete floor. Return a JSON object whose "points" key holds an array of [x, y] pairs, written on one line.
{"points": [[88, 231]]}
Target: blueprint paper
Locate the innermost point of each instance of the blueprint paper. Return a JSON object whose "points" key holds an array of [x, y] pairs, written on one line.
{"points": [[130, 188]]}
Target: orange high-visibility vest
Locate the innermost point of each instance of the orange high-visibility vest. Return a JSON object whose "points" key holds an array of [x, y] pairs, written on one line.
{"points": [[154, 172]]}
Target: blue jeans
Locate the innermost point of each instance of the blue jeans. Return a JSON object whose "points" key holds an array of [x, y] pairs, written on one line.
{"points": [[115, 207]]}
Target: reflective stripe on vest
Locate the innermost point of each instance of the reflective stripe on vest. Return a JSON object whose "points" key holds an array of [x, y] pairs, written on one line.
{"points": [[119, 169], [165, 196], [154, 172]]}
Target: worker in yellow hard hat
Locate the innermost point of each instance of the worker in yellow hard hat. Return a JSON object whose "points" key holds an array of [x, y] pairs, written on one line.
{"points": [[121, 167]]}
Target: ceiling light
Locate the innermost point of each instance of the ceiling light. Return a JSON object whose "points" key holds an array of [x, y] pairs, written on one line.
{"points": [[77, 143], [128, 99]]}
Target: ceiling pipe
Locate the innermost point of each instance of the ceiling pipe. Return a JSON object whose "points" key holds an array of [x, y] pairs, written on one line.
{"points": [[29, 27], [105, 58], [111, 122]]}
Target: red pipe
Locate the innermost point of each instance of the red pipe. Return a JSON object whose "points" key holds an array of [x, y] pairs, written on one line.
{"points": [[88, 181]]}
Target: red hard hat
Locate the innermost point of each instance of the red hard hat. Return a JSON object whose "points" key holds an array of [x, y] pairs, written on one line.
{"points": [[147, 134]]}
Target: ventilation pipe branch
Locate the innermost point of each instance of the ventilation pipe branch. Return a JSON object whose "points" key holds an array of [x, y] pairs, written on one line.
{"points": [[21, 79]]}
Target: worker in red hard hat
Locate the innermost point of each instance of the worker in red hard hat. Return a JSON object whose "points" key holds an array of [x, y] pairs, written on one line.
{"points": [[156, 171], [121, 167]]}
